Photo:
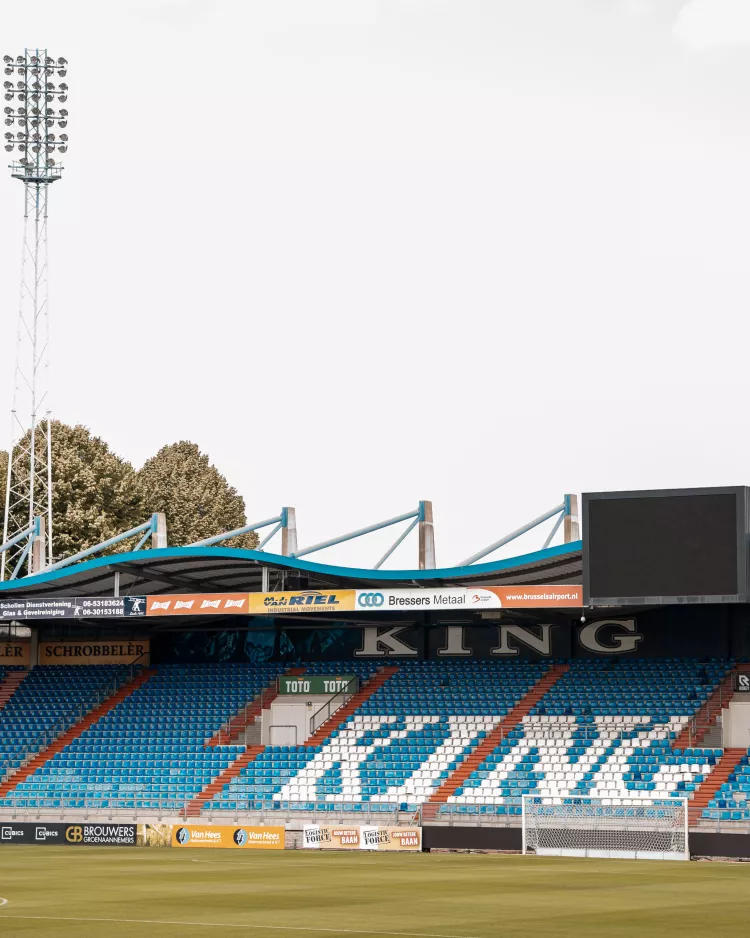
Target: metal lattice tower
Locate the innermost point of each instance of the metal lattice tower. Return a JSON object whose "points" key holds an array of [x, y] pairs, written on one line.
{"points": [[33, 121]]}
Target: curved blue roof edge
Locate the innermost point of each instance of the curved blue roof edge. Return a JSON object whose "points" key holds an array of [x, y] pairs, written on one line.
{"points": [[278, 560]]}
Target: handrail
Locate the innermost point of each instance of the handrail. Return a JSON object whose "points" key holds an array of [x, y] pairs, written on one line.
{"points": [[282, 726], [339, 693], [224, 729], [68, 720]]}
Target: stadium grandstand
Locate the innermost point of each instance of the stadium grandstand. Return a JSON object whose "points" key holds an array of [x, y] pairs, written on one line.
{"points": [[233, 686]]}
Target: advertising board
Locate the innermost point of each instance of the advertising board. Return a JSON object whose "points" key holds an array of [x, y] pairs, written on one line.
{"points": [[361, 837], [218, 836], [318, 684], [98, 652], [73, 607], [198, 604], [18, 653], [69, 835]]}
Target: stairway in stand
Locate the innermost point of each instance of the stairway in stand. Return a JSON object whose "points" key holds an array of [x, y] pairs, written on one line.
{"points": [[695, 732], [10, 686], [493, 739], [353, 703], [722, 770], [25, 771], [231, 731], [223, 778]]}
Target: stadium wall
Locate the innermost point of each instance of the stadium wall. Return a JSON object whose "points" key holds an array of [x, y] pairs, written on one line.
{"points": [[708, 631]]}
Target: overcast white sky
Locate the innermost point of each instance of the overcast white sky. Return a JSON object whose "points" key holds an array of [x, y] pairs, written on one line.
{"points": [[364, 252]]}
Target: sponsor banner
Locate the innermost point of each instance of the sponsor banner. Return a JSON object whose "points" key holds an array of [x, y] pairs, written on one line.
{"points": [[460, 597], [302, 601], [360, 837], [98, 652], [248, 838], [73, 607], [15, 653], [67, 835], [197, 604], [154, 835], [742, 683], [318, 684]]}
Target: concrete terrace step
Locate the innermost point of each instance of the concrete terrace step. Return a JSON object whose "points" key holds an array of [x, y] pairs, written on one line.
{"points": [[239, 722], [10, 685], [353, 703], [495, 738], [705, 718], [25, 771], [722, 770], [223, 778]]}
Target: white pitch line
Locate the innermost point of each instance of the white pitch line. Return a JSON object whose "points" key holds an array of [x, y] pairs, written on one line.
{"points": [[147, 921]]}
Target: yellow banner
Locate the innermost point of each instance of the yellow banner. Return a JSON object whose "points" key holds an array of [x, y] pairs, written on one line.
{"points": [[15, 653], [98, 652], [216, 836], [301, 601]]}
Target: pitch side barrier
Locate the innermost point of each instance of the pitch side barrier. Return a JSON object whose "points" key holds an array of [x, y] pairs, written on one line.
{"points": [[214, 836]]}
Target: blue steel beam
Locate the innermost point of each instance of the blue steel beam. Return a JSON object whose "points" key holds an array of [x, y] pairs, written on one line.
{"points": [[359, 533], [554, 530], [268, 537], [16, 538], [396, 543], [513, 535], [147, 526], [206, 542]]}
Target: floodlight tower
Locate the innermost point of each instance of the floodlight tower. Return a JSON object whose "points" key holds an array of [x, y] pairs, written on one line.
{"points": [[35, 122]]}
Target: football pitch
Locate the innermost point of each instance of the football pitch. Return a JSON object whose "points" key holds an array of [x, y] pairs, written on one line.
{"points": [[164, 893]]}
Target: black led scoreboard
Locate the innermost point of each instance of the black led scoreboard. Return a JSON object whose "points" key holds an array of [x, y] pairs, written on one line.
{"points": [[665, 546]]}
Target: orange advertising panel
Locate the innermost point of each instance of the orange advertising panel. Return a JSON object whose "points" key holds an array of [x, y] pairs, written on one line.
{"points": [[197, 604], [538, 597], [235, 838], [15, 653]]}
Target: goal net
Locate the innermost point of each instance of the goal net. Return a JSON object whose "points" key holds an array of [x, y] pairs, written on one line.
{"points": [[596, 827]]}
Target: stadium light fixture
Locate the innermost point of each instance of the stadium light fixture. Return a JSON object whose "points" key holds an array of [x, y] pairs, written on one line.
{"points": [[34, 118]]}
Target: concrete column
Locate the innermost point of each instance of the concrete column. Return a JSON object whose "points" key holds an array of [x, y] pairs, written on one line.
{"points": [[38, 548], [571, 528], [159, 536], [426, 537], [289, 532]]}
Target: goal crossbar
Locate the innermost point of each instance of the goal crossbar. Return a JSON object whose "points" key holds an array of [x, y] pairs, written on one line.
{"points": [[606, 827]]}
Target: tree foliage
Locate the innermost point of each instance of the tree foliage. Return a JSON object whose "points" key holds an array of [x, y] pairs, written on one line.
{"points": [[97, 494], [196, 498]]}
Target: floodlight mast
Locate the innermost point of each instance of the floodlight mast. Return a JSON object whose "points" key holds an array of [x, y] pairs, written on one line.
{"points": [[33, 121]]}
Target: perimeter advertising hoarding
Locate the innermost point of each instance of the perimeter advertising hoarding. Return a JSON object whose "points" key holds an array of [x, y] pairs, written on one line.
{"points": [[216, 836], [387, 600], [197, 604], [361, 837], [73, 607], [69, 835], [302, 601], [460, 597], [99, 652]]}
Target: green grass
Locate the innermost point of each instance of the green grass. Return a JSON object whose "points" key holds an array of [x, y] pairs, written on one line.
{"points": [[84, 892]]}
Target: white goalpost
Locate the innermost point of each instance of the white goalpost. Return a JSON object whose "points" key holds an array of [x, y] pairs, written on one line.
{"points": [[606, 827]]}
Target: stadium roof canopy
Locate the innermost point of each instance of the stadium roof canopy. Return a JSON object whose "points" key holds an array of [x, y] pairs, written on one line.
{"points": [[223, 569]]}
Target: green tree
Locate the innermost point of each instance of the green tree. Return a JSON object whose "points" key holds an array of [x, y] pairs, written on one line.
{"points": [[196, 498], [95, 492]]}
